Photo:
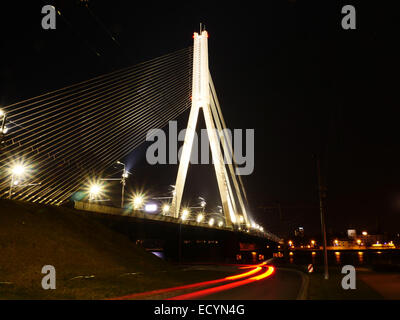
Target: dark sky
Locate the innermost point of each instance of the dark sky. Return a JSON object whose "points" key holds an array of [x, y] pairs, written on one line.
{"points": [[285, 68]]}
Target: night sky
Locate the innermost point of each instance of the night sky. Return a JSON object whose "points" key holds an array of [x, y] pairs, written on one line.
{"points": [[286, 69]]}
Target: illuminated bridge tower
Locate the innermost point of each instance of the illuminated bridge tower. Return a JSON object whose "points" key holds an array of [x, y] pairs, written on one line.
{"points": [[204, 97]]}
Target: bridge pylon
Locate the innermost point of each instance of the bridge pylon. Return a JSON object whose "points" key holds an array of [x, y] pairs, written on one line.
{"points": [[202, 90]]}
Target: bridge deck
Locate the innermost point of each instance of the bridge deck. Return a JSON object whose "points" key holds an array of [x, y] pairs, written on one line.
{"points": [[94, 207]]}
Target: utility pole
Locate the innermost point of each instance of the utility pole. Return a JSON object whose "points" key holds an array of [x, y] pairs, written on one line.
{"points": [[322, 197]]}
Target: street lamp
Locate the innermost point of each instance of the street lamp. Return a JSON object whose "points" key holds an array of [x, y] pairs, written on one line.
{"points": [[95, 190], [211, 222], [138, 201], [200, 217], [185, 214], [16, 171], [3, 116]]}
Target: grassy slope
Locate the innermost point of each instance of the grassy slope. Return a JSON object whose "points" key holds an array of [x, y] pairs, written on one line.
{"points": [[32, 236]]}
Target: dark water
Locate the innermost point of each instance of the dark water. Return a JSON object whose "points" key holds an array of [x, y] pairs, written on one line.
{"points": [[356, 258]]}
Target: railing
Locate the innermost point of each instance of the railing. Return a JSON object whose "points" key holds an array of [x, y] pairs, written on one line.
{"points": [[94, 207]]}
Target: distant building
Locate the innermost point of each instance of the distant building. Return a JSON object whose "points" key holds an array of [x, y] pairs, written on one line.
{"points": [[299, 232], [343, 243], [352, 233]]}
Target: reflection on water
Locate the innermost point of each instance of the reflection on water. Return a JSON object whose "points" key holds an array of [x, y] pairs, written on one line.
{"points": [[337, 256], [360, 257]]}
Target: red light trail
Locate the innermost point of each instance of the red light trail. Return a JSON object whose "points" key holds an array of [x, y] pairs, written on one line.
{"points": [[192, 295], [208, 291]]}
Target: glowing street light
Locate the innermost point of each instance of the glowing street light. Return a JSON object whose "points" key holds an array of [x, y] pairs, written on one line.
{"points": [[165, 208], [185, 214], [138, 201], [241, 219], [312, 242], [211, 222], [200, 218], [95, 190], [203, 202], [18, 171], [364, 233], [220, 224], [125, 175], [150, 207]]}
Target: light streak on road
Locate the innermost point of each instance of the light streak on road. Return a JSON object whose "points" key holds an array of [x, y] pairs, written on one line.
{"points": [[208, 291], [256, 268]]}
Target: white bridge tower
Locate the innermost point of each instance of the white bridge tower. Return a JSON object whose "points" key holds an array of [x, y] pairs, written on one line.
{"points": [[204, 97]]}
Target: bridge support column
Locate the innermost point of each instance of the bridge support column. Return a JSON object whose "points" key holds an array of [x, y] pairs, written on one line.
{"points": [[201, 99]]}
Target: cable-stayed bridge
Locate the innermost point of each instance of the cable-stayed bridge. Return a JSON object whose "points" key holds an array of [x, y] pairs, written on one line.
{"points": [[64, 138]]}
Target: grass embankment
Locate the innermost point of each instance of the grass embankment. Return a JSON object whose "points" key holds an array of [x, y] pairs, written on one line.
{"points": [[32, 236]]}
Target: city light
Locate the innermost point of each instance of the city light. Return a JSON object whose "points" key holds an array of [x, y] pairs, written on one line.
{"points": [[241, 219], [1, 113], [211, 222], [185, 214], [290, 242], [312, 242], [200, 217], [220, 224], [364, 233]]}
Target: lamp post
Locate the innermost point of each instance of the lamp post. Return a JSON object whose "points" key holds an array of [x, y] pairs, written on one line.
{"points": [[125, 174]]}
